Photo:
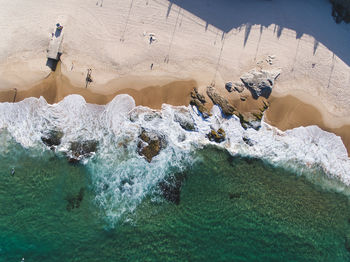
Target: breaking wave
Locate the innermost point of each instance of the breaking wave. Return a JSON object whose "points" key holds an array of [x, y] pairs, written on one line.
{"points": [[122, 178]]}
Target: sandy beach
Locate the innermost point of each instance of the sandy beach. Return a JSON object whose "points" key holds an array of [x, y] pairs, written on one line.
{"points": [[194, 44]]}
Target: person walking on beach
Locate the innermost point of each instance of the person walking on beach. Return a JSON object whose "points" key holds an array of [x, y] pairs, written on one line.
{"points": [[151, 66]]}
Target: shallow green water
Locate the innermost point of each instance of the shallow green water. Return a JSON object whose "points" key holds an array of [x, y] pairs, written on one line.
{"points": [[231, 209]]}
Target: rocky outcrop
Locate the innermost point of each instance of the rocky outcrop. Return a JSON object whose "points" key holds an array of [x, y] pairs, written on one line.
{"points": [[150, 144], [217, 136], [198, 101], [217, 99], [81, 149], [260, 83], [239, 87], [171, 188], [52, 138], [184, 118]]}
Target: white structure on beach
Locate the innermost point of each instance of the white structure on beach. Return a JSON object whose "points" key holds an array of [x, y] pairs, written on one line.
{"points": [[55, 45]]}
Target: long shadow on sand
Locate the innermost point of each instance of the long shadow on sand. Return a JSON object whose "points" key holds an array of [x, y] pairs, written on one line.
{"points": [[312, 17]]}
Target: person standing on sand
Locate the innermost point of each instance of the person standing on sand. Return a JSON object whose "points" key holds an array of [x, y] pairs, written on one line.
{"points": [[151, 66]]}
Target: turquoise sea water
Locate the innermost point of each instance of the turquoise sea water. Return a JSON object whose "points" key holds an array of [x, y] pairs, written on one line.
{"points": [[231, 209]]}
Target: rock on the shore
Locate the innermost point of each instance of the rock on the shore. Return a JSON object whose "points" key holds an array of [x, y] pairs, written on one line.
{"points": [[217, 99], [150, 145], [198, 100], [229, 86], [81, 149], [217, 136], [184, 118], [171, 188], [239, 87], [53, 138], [260, 83]]}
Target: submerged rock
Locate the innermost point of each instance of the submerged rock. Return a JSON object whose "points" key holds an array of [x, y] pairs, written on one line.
{"points": [[150, 145], [74, 201], [235, 195], [347, 243], [184, 118], [260, 83], [171, 188], [81, 149], [217, 136], [198, 100], [53, 138], [226, 107]]}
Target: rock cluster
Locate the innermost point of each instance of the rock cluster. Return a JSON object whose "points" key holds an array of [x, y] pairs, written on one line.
{"points": [[198, 100], [52, 138], [81, 149], [260, 83], [217, 136], [150, 144], [217, 99]]}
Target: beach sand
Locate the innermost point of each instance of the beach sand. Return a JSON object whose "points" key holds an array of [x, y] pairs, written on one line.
{"points": [[57, 86]]}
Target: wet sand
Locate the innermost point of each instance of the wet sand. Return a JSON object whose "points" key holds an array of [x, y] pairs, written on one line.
{"points": [[289, 112], [56, 86]]}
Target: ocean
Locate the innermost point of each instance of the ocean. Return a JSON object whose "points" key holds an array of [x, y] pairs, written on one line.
{"points": [[282, 196]]}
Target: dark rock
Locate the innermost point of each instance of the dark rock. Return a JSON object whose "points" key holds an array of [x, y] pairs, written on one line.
{"points": [[80, 150], [74, 201], [53, 138], [260, 83], [341, 10], [150, 145], [184, 118], [248, 141], [235, 195], [226, 108], [171, 188], [229, 86], [217, 136]]}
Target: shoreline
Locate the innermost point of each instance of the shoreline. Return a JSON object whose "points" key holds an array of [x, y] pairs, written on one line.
{"points": [[284, 112]]}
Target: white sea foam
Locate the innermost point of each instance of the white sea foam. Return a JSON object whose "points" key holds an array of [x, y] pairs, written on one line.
{"points": [[122, 178]]}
